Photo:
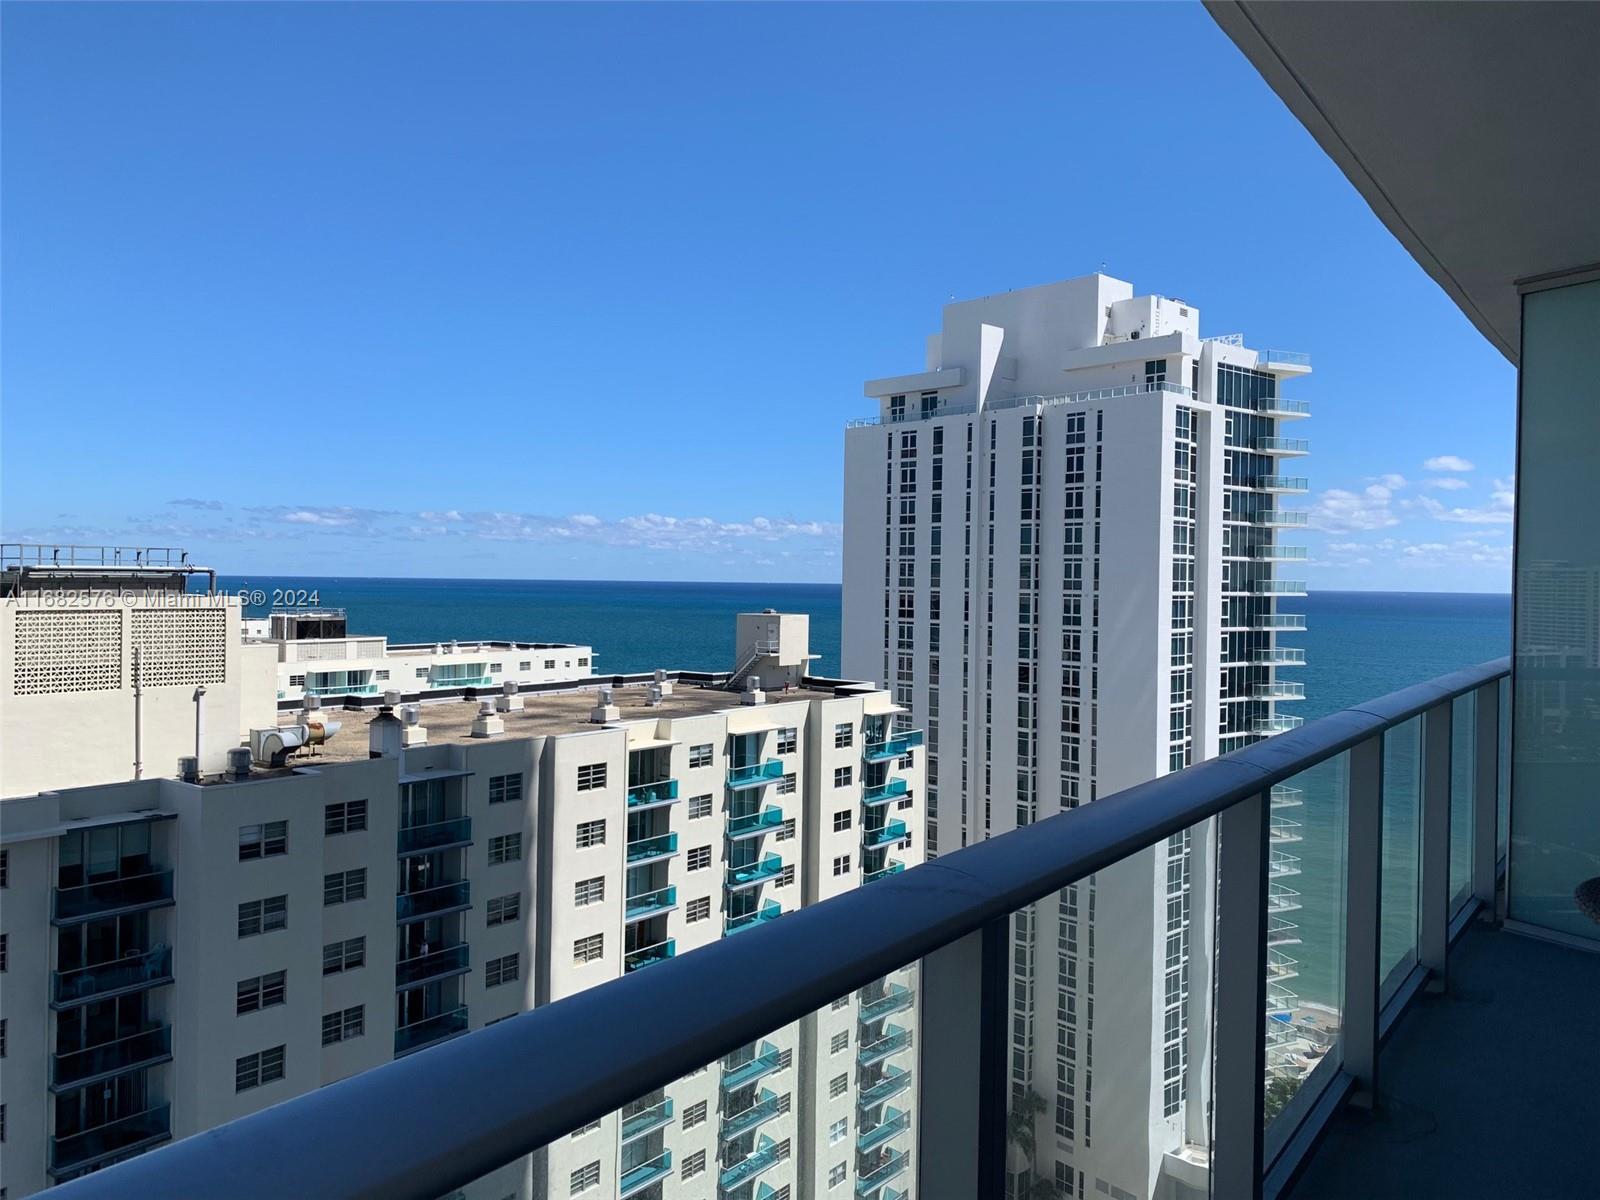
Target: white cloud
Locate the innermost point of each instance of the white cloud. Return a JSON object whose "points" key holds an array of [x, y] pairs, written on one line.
{"points": [[1498, 511], [1448, 462], [1340, 511], [1420, 555], [1446, 483], [1393, 482]]}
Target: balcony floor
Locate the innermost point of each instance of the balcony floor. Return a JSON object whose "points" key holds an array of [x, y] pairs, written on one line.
{"points": [[1488, 1090]]}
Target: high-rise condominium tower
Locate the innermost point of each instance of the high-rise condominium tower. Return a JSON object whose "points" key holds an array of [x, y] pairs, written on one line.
{"points": [[1060, 555]]}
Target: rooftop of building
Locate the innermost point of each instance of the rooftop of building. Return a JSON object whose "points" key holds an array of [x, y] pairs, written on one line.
{"points": [[543, 714]]}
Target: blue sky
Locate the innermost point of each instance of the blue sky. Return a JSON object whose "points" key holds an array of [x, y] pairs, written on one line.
{"points": [[589, 292]]}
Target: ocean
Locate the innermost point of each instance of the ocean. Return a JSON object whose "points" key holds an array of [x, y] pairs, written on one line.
{"points": [[1358, 645]]}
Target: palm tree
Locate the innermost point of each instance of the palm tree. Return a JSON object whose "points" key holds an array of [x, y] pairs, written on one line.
{"points": [[1026, 1109]]}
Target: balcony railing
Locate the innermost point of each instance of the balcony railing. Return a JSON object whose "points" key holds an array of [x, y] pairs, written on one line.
{"points": [[894, 1121], [649, 956], [770, 911], [1281, 445], [1283, 656], [1286, 358], [890, 833], [662, 845], [436, 835], [135, 971], [1282, 483], [767, 1059], [895, 746], [447, 897], [1275, 724], [763, 1158], [755, 824], [430, 1030], [892, 1042], [1282, 516], [1279, 587], [653, 795], [883, 793], [1278, 691], [650, 904], [109, 897], [600, 1050], [755, 775], [436, 964], [79, 1151], [767, 867], [1280, 553], [895, 1080], [636, 1179], [766, 1108], [640, 1121], [898, 998], [1289, 621], [143, 1049], [890, 1167], [892, 867], [1278, 406]]}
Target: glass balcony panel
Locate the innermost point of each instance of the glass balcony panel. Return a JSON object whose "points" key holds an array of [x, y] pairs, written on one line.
{"points": [[135, 970], [895, 1121], [142, 1049], [1463, 745], [450, 960], [414, 906], [770, 911], [1305, 988], [766, 1155], [121, 1136], [436, 835], [738, 1071], [635, 1179], [756, 774], [892, 867], [766, 1107], [649, 956], [883, 793], [652, 795], [1504, 805], [891, 833], [430, 1030], [755, 824], [662, 845], [769, 866], [1402, 808], [883, 1167], [650, 904], [110, 896], [646, 1119]]}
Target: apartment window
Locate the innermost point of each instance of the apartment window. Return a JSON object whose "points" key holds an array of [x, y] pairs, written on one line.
{"points": [[788, 740], [694, 1115], [300, 680], [842, 776], [786, 878], [582, 1129], [583, 662], [841, 1041], [507, 847], [841, 865], [838, 1003], [699, 858], [589, 949], [505, 789], [786, 785], [5, 868], [259, 991], [700, 756], [591, 833], [5, 950], [591, 776], [694, 1165], [841, 820], [344, 956], [838, 1086], [525, 665], [844, 736], [343, 886], [836, 1175], [505, 909], [838, 1131], [699, 909], [549, 664], [253, 1070], [496, 668], [584, 1178], [589, 891], [501, 970], [785, 831], [699, 806], [263, 916], [347, 816], [381, 676], [263, 841], [344, 1024]]}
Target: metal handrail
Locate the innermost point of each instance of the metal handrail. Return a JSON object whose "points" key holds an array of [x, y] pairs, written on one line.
{"points": [[593, 1053]]}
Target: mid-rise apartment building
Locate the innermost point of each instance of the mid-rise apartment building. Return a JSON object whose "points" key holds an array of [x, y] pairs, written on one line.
{"points": [[1061, 556], [341, 887]]}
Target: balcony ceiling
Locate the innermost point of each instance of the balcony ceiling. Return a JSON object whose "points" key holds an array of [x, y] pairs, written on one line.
{"points": [[1470, 129]]}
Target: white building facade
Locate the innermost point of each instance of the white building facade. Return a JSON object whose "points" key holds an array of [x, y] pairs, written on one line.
{"points": [[176, 954], [1061, 556]]}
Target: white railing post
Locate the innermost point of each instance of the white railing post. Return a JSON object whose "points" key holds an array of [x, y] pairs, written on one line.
{"points": [[1363, 906], [1433, 878], [1239, 1073], [1486, 794]]}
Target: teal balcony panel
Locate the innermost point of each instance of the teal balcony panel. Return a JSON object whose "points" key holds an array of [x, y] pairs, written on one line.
{"points": [[897, 999], [80, 1151], [897, 746], [650, 904], [888, 835], [884, 793], [769, 866], [763, 1158], [892, 1042], [895, 1080], [430, 1031], [894, 1121], [649, 956], [646, 1120], [755, 775], [109, 897], [766, 1108], [134, 972], [751, 825], [889, 1167], [146, 1048], [662, 845], [767, 1060], [447, 897], [770, 911], [653, 795], [892, 867], [638, 1178], [436, 835], [437, 964]]}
